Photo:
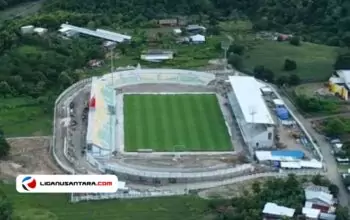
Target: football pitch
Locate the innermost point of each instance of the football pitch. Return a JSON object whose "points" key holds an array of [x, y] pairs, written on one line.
{"points": [[174, 122]]}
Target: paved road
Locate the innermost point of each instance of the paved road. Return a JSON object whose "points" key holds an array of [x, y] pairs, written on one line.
{"points": [[328, 116], [332, 169], [218, 183]]}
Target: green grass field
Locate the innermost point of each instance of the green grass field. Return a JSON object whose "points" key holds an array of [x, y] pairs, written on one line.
{"points": [[24, 117], [174, 123], [57, 207], [314, 61]]}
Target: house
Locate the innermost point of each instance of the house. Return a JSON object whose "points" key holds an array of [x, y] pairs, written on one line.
{"points": [[318, 197], [29, 29], [95, 63], [273, 211], [168, 22], [67, 29], [183, 40], [327, 216], [177, 31], [339, 83], [194, 28], [109, 44], [157, 55], [197, 39], [310, 213], [40, 31]]}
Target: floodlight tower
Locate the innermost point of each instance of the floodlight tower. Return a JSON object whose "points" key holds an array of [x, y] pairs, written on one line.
{"points": [[225, 45], [112, 63], [252, 113]]}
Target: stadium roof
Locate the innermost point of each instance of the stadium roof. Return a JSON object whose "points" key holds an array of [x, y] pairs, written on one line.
{"points": [[250, 100], [101, 129], [104, 34]]}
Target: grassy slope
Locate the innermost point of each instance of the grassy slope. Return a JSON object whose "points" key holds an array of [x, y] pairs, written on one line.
{"points": [[24, 9], [314, 61], [57, 207], [161, 122], [23, 117]]}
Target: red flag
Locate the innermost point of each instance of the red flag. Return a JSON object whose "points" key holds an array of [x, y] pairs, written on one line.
{"points": [[92, 103]]}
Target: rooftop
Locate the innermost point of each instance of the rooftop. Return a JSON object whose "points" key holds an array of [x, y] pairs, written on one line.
{"points": [[319, 195], [250, 100], [101, 128], [100, 33], [311, 213], [274, 209]]}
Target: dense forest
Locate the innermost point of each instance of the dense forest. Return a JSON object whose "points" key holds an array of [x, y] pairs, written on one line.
{"points": [[9, 3], [34, 66], [322, 21]]}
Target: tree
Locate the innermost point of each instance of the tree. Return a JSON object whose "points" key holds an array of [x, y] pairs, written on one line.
{"points": [[235, 60], [294, 80], [289, 65], [333, 189], [342, 61], [262, 73], [295, 41], [4, 147], [282, 80], [5, 207], [342, 213], [256, 187], [5, 88], [346, 39], [320, 181], [236, 48], [214, 30], [334, 127]]}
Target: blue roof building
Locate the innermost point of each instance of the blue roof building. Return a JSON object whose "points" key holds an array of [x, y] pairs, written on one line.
{"points": [[295, 154]]}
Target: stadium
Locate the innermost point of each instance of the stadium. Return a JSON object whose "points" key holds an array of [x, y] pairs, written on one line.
{"points": [[163, 127]]}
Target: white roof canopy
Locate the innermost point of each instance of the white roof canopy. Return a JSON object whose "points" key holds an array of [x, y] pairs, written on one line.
{"points": [[311, 213], [274, 209], [278, 102], [250, 100], [198, 38]]}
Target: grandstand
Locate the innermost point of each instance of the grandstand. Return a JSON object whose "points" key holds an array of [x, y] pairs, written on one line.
{"points": [[100, 136], [252, 115]]}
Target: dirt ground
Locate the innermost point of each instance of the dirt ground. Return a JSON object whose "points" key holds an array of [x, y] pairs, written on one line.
{"points": [[28, 156], [311, 89]]}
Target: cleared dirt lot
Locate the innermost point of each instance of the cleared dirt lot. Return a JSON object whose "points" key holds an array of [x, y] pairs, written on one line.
{"points": [[28, 156]]}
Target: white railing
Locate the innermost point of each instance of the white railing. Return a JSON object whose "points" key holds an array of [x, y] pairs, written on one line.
{"points": [[120, 169]]}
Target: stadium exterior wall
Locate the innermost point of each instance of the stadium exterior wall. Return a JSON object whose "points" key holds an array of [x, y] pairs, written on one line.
{"points": [[161, 178], [184, 191], [62, 97]]}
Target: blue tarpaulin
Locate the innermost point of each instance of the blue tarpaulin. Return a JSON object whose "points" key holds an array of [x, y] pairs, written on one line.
{"points": [[296, 154], [282, 113]]}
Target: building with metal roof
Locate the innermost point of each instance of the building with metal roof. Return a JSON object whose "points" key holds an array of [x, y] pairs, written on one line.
{"points": [[100, 33], [274, 210], [251, 112], [311, 213]]}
